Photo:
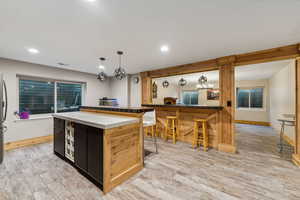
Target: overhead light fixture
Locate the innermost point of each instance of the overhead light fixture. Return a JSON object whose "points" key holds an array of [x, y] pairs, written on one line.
{"points": [[102, 76], [91, 0], [101, 67], [182, 82], [120, 72], [202, 83], [164, 48], [165, 84], [33, 50]]}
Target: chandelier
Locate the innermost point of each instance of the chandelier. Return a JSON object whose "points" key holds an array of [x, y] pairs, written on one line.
{"points": [[202, 82], [101, 75], [120, 72], [182, 82]]}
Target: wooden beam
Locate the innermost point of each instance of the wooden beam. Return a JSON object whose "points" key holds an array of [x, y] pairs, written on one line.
{"points": [[28, 142], [227, 100], [296, 156], [274, 54], [185, 69], [146, 88]]}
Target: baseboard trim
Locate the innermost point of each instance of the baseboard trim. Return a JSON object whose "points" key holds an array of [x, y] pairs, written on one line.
{"points": [[253, 122], [288, 140], [28, 142], [228, 148], [296, 159]]}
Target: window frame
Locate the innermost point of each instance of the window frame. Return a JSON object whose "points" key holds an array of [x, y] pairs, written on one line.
{"points": [[55, 81], [263, 108]]}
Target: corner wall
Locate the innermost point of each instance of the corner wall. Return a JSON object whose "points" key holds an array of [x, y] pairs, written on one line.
{"points": [[282, 97]]}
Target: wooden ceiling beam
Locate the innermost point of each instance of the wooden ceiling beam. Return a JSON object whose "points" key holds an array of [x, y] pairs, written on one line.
{"points": [[274, 54]]}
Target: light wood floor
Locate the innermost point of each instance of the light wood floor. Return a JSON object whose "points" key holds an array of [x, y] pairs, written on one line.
{"points": [[177, 172]]}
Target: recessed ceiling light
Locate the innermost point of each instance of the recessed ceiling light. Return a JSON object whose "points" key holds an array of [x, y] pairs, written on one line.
{"points": [[33, 50], [101, 67], [164, 48], [90, 0]]}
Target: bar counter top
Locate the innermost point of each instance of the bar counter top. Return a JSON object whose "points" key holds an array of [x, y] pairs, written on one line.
{"points": [[184, 106], [119, 109]]}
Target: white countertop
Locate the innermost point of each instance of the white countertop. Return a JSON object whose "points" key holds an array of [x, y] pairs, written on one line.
{"points": [[99, 120]]}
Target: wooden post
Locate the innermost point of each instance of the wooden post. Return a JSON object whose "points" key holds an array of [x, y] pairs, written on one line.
{"points": [[296, 155], [227, 100], [146, 88]]}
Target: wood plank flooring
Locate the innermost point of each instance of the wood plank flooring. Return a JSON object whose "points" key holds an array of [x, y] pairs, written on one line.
{"points": [[178, 172]]}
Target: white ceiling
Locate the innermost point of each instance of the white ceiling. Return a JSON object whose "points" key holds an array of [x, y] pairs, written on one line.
{"points": [[247, 72], [78, 32], [260, 71]]}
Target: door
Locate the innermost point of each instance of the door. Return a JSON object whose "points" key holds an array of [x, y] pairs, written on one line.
{"points": [[80, 146], [59, 136], [95, 153]]}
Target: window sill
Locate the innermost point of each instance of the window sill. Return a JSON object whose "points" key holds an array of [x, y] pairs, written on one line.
{"points": [[34, 118], [252, 109]]}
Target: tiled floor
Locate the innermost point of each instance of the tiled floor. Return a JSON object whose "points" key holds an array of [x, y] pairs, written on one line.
{"points": [[177, 172]]}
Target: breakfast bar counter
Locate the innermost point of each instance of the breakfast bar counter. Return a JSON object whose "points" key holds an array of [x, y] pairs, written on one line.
{"points": [[104, 144], [186, 114]]}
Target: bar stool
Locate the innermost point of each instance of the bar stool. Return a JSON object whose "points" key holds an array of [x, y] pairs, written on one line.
{"points": [[202, 138], [149, 122], [171, 128]]}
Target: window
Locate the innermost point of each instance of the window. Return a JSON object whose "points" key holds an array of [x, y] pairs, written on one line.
{"points": [[249, 97], [190, 97], [37, 97], [68, 97], [41, 97]]}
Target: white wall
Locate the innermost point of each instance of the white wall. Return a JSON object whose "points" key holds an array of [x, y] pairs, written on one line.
{"points": [[171, 91], [261, 115], [24, 129], [135, 90], [119, 89], [282, 97]]}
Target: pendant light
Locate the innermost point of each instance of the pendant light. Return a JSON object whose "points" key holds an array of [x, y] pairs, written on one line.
{"points": [[182, 82], [120, 72], [102, 76], [165, 84], [202, 82]]}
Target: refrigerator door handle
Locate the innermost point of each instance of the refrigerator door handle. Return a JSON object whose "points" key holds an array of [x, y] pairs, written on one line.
{"points": [[5, 91]]}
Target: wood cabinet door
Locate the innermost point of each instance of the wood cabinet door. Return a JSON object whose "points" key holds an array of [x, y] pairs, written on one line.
{"points": [[95, 153], [80, 146], [59, 136]]}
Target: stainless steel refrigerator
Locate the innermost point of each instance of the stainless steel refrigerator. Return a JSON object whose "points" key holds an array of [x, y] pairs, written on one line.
{"points": [[3, 114]]}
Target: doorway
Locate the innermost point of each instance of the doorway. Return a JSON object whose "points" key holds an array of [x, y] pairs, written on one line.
{"points": [[265, 95]]}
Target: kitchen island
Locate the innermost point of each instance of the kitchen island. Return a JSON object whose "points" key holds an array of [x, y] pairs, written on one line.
{"points": [[105, 146], [186, 115]]}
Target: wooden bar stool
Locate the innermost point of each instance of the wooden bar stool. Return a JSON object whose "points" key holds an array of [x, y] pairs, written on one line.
{"points": [[171, 127], [200, 137]]}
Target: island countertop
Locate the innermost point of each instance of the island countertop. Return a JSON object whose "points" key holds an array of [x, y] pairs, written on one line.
{"points": [[98, 120], [184, 106]]}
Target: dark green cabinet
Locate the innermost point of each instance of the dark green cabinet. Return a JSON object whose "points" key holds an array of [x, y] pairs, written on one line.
{"points": [[59, 136]]}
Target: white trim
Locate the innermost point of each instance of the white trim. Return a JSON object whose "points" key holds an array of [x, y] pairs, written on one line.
{"points": [[35, 117]]}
